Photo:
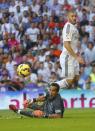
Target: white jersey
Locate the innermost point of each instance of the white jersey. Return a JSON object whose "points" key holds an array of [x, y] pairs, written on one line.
{"points": [[70, 33]]}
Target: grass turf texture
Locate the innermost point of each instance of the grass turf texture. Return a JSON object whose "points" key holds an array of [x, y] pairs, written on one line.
{"points": [[74, 120]]}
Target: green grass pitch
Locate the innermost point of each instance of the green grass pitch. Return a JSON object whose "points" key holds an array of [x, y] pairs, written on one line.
{"points": [[74, 120]]}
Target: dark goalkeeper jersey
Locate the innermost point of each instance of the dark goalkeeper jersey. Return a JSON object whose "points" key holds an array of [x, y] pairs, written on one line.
{"points": [[54, 105]]}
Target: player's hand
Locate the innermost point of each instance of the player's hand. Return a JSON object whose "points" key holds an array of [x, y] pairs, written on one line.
{"points": [[80, 60], [26, 103], [38, 113]]}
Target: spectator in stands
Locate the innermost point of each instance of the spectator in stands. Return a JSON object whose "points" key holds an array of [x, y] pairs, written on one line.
{"points": [[91, 79], [84, 18], [89, 53], [55, 39], [43, 71], [31, 35], [84, 42], [53, 77], [82, 79], [7, 27], [57, 69], [40, 81], [13, 44], [37, 25], [10, 66], [4, 74]]}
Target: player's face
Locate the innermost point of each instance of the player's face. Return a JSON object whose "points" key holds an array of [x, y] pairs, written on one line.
{"points": [[72, 18], [53, 91]]}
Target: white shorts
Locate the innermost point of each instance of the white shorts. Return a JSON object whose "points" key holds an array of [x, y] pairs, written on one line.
{"points": [[70, 66]]}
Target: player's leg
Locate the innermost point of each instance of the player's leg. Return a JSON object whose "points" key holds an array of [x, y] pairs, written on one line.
{"points": [[75, 75], [76, 70], [26, 113], [68, 71], [16, 110], [32, 113]]}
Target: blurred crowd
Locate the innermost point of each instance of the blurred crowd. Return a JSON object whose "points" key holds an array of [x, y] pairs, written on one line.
{"points": [[31, 32]]}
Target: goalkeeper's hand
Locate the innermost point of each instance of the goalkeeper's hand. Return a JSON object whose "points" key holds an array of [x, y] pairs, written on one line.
{"points": [[27, 103], [38, 113]]}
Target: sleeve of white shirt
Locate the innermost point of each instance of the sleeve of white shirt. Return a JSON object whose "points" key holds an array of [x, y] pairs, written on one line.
{"points": [[38, 32], [67, 33], [27, 32], [2, 28]]}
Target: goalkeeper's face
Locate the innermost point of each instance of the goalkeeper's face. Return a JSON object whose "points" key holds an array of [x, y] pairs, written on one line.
{"points": [[53, 91]]}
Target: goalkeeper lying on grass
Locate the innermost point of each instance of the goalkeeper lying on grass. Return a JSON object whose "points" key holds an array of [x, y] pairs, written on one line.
{"points": [[52, 105]]}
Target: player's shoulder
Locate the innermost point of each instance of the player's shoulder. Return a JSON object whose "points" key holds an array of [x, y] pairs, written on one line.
{"points": [[58, 97], [68, 25]]}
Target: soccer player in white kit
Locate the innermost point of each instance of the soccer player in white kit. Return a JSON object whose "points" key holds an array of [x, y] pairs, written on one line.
{"points": [[69, 60]]}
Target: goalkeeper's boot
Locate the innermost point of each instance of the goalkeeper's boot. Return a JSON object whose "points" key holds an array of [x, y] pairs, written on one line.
{"points": [[13, 108]]}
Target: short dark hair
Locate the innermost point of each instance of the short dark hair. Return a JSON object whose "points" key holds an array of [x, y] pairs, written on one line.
{"points": [[90, 42], [55, 85]]}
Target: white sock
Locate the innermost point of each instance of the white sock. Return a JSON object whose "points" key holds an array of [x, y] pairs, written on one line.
{"points": [[18, 111], [63, 83]]}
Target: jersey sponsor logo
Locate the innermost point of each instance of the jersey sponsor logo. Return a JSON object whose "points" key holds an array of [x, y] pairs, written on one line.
{"points": [[57, 111]]}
